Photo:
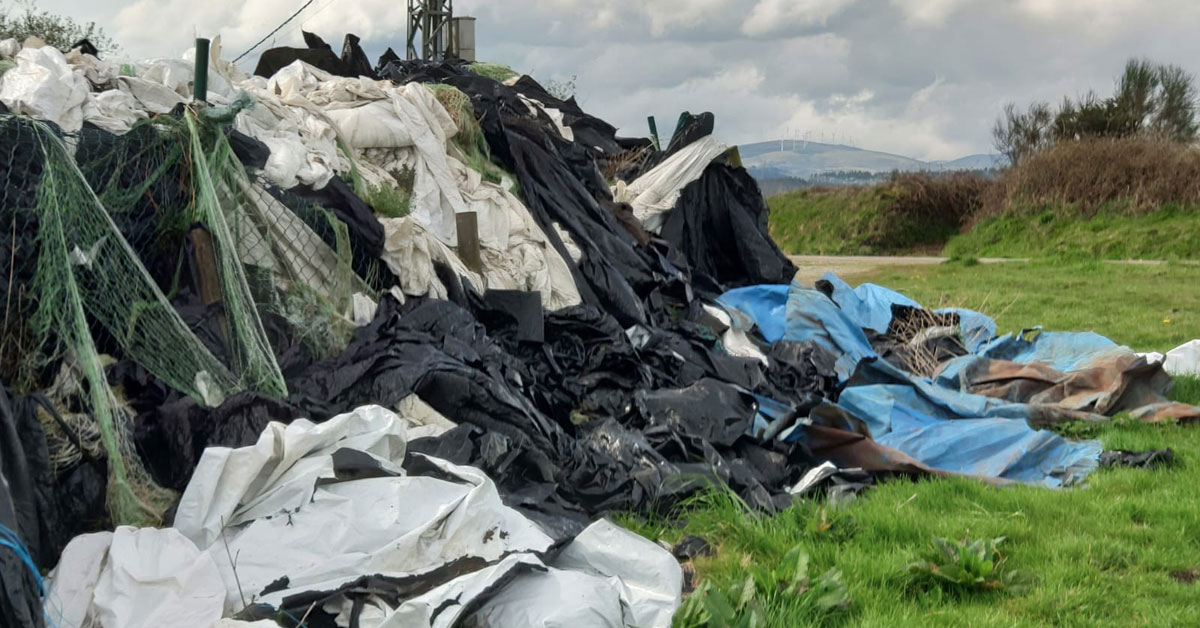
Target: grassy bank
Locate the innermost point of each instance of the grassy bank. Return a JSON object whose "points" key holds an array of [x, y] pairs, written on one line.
{"points": [[1172, 232], [859, 221], [1102, 555], [910, 213], [1108, 199]]}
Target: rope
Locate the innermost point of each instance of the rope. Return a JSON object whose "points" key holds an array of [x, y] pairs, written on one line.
{"points": [[290, 18], [9, 539]]}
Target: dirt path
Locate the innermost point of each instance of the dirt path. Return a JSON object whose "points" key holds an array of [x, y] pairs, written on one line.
{"points": [[809, 268]]}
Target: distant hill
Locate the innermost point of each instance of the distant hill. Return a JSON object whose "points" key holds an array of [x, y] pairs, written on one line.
{"points": [[805, 160]]}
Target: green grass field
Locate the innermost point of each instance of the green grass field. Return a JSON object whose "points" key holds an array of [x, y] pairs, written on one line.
{"points": [[1172, 232], [863, 221], [1102, 555], [1148, 308]]}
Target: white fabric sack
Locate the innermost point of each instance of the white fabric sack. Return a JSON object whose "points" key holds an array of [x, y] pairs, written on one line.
{"points": [[44, 86], [136, 578], [9, 48], [1183, 360], [114, 111]]}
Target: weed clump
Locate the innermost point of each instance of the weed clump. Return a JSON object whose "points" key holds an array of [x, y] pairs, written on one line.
{"points": [[968, 566]]}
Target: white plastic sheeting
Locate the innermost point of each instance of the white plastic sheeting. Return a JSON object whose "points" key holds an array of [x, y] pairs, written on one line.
{"points": [[736, 339], [399, 128], [43, 85], [1182, 360], [555, 116], [655, 193], [410, 250], [303, 142], [135, 578], [607, 576], [73, 88], [9, 48], [280, 509]]}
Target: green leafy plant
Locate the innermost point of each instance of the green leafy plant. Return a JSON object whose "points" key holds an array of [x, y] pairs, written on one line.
{"points": [[393, 201], [784, 584], [969, 565], [23, 19]]}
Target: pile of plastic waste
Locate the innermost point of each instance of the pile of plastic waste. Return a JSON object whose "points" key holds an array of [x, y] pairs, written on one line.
{"points": [[350, 345]]}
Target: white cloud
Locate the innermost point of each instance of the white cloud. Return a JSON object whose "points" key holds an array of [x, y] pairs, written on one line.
{"points": [[919, 77], [769, 16], [929, 12], [669, 15]]}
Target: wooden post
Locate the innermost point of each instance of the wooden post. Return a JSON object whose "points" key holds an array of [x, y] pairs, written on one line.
{"points": [[205, 263], [467, 224]]}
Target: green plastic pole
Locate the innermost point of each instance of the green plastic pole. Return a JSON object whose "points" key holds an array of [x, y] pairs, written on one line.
{"points": [[200, 82], [679, 124], [653, 131]]}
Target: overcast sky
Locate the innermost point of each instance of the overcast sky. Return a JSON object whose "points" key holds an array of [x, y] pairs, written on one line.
{"points": [[923, 78]]}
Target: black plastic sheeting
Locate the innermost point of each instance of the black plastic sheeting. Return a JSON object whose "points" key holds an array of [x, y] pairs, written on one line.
{"points": [[590, 421], [625, 402], [29, 479], [720, 225], [20, 591], [352, 63]]}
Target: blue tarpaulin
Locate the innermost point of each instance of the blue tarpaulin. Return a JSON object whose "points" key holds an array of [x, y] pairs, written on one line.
{"points": [[764, 305], [812, 317], [931, 420], [1003, 448], [868, 305], [1062, 350]]}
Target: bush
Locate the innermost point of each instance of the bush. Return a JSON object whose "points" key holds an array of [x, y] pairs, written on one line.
{"points": [[910, 212], [1132, 175], [939, 206]]}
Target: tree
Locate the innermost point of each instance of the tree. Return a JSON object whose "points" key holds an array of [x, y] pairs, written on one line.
{"points": [[1175, 114], [23, 19], [1136, 95], [1093, 116], [1148, 100], [1020, 134]]}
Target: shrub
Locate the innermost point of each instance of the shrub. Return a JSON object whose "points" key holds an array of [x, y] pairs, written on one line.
{"points": [[1142, 174]]}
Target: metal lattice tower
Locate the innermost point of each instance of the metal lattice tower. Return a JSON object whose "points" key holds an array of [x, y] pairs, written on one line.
{"points": [[433, 21]]}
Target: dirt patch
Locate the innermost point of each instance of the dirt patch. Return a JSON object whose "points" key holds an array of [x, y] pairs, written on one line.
{"points": [[1186, 576]]}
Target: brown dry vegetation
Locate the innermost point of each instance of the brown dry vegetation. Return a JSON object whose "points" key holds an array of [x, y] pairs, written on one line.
{"points": [[1144, 174], [947, 199]]}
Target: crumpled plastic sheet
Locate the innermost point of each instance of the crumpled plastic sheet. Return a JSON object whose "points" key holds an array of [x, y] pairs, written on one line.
{"points": [[1060, 350], [312, 513], [300, 115], [719, 224], [1182, 360], [655, 192], [135, 578], [399, 127], [871, 307], [46, 87]]}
